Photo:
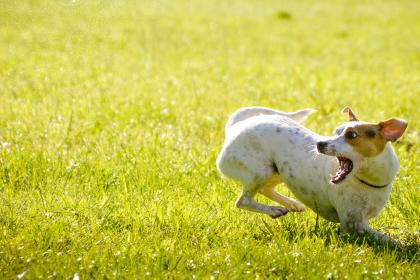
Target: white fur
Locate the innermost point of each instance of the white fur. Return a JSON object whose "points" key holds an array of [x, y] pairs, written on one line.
{"points": [[264, 147]]}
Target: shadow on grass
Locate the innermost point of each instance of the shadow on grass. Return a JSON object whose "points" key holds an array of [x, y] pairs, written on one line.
{"points": [[403, 251]]}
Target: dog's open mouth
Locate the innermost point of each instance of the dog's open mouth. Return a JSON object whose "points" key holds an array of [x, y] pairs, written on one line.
{"points": [[346, 166]]}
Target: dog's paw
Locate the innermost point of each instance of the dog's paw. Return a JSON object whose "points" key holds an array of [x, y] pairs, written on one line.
{"points": [[296, 206], [278, 211]]}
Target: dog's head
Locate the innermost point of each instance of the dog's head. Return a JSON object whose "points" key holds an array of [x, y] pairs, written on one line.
{"points": [[355, 140]]}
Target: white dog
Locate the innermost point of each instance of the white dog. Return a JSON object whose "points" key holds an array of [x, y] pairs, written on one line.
{"points": [[264, 147]]}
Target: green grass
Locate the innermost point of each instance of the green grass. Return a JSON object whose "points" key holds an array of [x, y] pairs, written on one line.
{"points": [[112, 115]]}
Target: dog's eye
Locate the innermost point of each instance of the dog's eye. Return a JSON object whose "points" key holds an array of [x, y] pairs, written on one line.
{"points": [[370, 133], [350, 135]]}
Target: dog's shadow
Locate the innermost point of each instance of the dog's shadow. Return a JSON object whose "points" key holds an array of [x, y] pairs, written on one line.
{"points": [[406, 250], [403, 251]]}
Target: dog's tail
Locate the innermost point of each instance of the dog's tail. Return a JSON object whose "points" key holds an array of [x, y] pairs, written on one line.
{"points": [[248, 112]]}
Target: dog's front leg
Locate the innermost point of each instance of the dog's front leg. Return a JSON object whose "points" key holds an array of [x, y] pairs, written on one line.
{"points": [[379, 236]]}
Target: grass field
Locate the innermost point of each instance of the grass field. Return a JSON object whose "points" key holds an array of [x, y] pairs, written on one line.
{"points": [[112, 114]]}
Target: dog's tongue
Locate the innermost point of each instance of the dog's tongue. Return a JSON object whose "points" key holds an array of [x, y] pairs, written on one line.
{"points": [[346, 166]]}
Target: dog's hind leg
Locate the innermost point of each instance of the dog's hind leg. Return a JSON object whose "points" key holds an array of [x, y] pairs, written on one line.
{"points": [[246, 201], [252, 183], [253, 171], [269, 191]]}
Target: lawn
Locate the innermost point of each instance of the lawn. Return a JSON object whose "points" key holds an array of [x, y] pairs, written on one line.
{"points": [[112, 114]]}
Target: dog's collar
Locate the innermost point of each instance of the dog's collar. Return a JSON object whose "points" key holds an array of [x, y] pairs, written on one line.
{"points": [[370, 185]]}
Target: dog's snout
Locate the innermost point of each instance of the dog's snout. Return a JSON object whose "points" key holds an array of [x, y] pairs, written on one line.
{"points": [[321, 146]]}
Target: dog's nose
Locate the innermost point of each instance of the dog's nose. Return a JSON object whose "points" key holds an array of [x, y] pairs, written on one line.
{"points": [[321, 146]]}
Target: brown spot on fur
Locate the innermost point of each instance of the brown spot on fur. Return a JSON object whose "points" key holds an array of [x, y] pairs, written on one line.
{"points": [[369, 140]]}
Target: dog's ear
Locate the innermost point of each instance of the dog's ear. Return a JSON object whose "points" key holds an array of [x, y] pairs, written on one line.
{"points": [[352, 116], [393, 129]]}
